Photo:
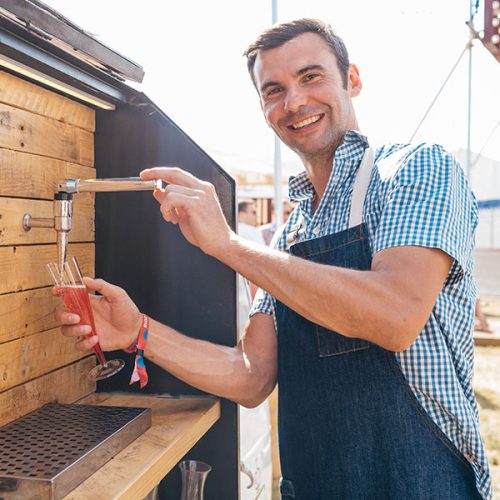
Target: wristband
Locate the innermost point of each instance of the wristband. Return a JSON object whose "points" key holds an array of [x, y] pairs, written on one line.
{"points": [[133, 346], [140, 373]]}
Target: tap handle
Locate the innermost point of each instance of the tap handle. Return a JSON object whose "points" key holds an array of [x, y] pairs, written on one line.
{"points": [[108, 185]]}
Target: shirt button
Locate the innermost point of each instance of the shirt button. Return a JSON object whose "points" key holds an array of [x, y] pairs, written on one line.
{"points": [[316, 230]]}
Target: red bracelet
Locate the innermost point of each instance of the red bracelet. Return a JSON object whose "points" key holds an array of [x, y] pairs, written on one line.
{"points": [[140, 373]]}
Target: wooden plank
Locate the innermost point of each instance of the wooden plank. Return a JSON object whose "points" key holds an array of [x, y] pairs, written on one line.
{"points": [[12, 211], [177, 424], [26, 313], [65, 385], [29, 96], [24, 267], [486, 339], [30, 176], [273, 414], [25, 131], [29, 357]]}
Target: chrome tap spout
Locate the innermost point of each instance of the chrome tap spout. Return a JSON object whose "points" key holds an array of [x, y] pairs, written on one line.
{"points": [[63, 205]]}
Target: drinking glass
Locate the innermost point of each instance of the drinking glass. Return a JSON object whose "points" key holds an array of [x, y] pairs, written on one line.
{"points": [[194, 474], [70, 287]]}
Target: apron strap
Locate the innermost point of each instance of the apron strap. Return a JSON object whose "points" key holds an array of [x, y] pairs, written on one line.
{"points": [[360, 187]]}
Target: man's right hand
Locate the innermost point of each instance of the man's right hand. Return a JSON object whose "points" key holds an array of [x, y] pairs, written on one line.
{"points": [[193, 205], [117, 318]]}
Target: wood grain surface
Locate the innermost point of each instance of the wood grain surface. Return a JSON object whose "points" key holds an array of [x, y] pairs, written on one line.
{"points": [[177, 424], [31, 97]]}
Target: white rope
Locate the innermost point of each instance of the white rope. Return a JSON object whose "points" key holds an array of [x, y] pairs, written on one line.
{"points": [[467, 47], [485, 144]]}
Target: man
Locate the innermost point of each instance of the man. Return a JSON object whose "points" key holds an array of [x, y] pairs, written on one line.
{"points": [[247, 221], [268, 230], [247, 228], [373, 298]]}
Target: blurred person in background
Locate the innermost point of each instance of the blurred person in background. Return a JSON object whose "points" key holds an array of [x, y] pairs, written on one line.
{"points": [[247, 221], [268, 230], [481, 324], [247, 228]]}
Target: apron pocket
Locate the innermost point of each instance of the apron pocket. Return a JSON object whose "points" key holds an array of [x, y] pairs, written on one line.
{"points": [[331, 343]]}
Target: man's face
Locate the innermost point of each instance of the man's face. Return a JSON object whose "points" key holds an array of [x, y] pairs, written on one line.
{"points": [[303, 97], [248, 216]]}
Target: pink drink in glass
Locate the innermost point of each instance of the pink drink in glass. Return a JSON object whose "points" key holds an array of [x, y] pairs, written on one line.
{"points": [[76, 299], [70, 287]]}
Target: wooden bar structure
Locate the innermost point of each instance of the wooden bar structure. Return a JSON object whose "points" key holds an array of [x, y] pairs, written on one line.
{"points": [[43, 137], [47, 136]]}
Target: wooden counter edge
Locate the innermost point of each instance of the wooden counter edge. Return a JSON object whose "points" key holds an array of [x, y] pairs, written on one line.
{"points": [[177, 424]]}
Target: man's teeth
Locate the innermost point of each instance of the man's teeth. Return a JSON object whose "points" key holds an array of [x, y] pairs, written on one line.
{"points": [[305, 122]]}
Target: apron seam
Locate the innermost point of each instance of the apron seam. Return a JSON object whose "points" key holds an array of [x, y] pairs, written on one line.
{"points": [[427, 420], [326, 250]]}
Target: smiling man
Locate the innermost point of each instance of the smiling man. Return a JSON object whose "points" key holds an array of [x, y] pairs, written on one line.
{"points": [[366, 306]]}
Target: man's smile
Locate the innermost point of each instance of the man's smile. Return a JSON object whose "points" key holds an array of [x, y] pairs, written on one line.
{"points": [[306, 122]]}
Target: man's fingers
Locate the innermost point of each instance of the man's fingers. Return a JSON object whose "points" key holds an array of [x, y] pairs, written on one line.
{"points": [[104, 288], [175, 202], [161, 194], [76, 330], [87, 343], [65, 317], [172, 175]]}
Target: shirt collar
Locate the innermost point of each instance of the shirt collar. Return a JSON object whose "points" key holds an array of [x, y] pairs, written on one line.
{"points": [[350, 151]]}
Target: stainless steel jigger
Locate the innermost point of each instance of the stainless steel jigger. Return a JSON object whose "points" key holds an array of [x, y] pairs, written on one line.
{"points": [[63, 204]]}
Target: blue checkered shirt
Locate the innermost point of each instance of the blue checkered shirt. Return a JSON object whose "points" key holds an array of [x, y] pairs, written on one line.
{"points": [[418, 195]]}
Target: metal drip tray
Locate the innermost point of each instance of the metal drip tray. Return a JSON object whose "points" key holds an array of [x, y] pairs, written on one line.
{"points": [[48, 452]]}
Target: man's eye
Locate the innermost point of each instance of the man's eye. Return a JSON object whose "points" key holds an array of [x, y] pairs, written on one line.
{"points": [[273, 91], [311, 76]]}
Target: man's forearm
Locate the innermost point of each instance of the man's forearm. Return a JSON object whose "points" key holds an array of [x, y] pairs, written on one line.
{"points": [[213, 368], [378, 305], [336, 298]]}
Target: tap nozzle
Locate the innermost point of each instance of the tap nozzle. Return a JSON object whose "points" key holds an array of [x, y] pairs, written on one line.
{"points": [[63, 213]]}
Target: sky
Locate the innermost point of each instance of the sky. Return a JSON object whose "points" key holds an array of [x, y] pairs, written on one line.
{"points": [[191, 52]]}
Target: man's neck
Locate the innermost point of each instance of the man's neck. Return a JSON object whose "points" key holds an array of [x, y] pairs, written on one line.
{"points": [[319, 175], [319, 169]]}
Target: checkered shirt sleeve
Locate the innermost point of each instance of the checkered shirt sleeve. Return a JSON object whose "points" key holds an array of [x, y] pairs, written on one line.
{"points": [[429, 204]]}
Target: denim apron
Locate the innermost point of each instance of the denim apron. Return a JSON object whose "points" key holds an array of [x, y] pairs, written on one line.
{"points": [[349, 425]]}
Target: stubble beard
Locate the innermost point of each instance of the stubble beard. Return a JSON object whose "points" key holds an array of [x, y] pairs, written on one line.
{"points": [[322, 155]]}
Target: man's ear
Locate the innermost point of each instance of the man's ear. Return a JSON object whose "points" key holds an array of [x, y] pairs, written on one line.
{"points": [[354, 84]]}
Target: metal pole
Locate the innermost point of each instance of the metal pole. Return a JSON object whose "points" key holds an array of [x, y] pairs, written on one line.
{"points": [[278, 173], [469, 99]]}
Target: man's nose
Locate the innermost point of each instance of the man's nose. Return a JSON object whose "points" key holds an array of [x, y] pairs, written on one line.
{"points": [[295, 99]]}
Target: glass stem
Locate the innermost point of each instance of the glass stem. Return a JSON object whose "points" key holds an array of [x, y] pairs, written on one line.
{"points": [[100, 355]]}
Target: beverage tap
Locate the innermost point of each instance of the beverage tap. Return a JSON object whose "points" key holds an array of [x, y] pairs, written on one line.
{"points": [[63, 205]]}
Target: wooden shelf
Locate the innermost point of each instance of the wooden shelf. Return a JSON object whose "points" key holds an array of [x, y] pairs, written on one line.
{"points": [[177, 424]]}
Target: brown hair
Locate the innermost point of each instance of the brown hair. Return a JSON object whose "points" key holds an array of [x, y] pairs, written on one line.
{"points": [[243, 205], [279, 34]]}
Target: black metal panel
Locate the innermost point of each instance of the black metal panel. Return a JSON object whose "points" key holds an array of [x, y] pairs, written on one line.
{"points": [[169, 279]]}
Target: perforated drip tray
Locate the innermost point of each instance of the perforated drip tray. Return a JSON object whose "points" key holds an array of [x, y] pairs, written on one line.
{"points": [[48, 452]]}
